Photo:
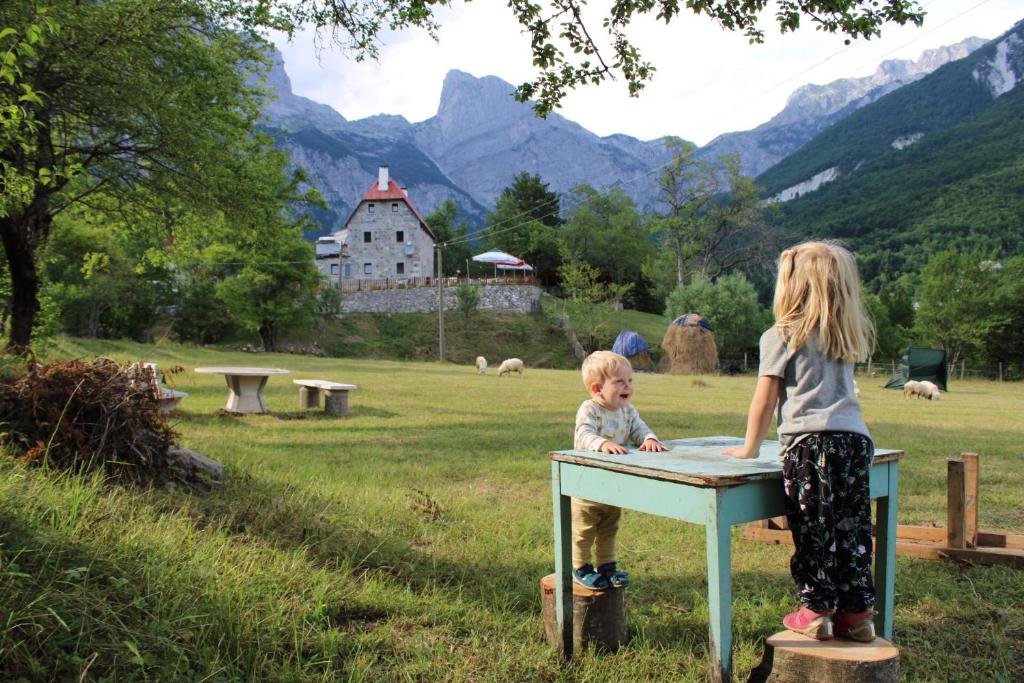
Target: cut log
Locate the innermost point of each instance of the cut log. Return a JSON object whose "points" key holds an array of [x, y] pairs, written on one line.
{"points": [[792, 658], [194, 469], [598, 617]]}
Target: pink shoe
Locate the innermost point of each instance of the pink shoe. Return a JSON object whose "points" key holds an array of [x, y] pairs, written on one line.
{"points": [[817, 625], [859, 626]]}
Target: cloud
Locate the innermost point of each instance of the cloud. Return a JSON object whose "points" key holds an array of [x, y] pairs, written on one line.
{"points": [[709, 81]]}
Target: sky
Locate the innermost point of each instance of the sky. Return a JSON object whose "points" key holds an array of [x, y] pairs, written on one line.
{"points": [[709, 81]]}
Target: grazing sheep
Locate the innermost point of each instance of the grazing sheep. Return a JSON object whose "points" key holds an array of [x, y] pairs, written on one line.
{"points": [[931, 391], [481, 364], [921, 390], [509, 366], [856, 389]]}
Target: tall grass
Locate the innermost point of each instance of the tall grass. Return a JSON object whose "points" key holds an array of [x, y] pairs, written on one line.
{"points": [[406, 541]]}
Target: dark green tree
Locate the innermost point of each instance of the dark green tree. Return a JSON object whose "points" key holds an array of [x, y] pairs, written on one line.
{"points": [[729, 304], [148, 93], [526, 222], [453, 234], [605, 230]]}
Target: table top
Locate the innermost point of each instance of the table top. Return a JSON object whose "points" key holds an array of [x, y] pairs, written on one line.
{"points": [[696, 461], [245, 372]]}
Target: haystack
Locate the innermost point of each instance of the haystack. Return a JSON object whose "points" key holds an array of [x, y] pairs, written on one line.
{"points": [[689, 346]]}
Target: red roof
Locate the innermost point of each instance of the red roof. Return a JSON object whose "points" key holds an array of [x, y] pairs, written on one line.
{"points": [[394, 191]]}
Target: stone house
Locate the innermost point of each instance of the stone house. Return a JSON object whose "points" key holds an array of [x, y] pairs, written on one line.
{"points": [[384, 238]]}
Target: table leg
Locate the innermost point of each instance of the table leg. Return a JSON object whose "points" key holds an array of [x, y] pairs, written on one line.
{"points": [[719, 553], [562, 517], [885, 554], [245, 394]]}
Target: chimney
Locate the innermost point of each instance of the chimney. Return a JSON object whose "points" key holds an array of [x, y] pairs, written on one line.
{"points": [[382, 178], [405, 191]]}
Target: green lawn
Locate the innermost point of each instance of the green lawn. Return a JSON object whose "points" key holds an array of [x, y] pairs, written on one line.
{"points": [[406, 542]]}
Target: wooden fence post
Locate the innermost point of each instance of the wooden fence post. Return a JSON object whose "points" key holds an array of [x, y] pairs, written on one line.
{"points": [[956, 497], [971, 490]]}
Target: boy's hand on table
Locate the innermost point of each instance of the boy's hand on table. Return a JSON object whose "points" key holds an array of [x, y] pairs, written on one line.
{"points": [[613, 448], [740, 452], [653, 446]]}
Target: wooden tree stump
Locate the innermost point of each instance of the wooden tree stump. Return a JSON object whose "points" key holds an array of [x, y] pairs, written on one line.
{"points": [[599, 617], [792, 658]]}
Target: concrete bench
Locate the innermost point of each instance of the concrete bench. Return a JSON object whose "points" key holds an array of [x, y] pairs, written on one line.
{"points": [[335, 399], [168, 399]]}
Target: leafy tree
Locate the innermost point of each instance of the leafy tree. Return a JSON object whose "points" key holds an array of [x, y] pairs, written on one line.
{"points": [[526, 223], [97, 282], [148, 93], [567, 50], [714, 222], [605, 230], [957, 303], [1005, 340], [588, 305], [453, 234], [467, 299], [729, 304]]}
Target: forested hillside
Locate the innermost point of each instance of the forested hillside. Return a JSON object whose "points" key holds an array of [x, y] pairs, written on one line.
{"points": [[960, 185]]}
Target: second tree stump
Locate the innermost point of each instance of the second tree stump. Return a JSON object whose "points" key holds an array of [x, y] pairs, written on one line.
{"points": [[598, 617]]}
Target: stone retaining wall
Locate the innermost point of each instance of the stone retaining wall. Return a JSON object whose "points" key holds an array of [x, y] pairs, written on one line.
{"points": [[513, 298]]}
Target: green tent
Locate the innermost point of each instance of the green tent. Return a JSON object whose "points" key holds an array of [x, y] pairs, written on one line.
{"points": [[921, 364]]}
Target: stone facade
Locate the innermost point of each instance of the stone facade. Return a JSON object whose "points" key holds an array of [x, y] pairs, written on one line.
{"points": [[512, 298], [385, 238]]}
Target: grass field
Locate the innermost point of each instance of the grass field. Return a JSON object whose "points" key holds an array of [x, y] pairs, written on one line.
{"points": [[405, 542]]}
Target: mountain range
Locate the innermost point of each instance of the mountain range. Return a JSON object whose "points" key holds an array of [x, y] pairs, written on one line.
{"points": [[937, 164], [481, 138]]}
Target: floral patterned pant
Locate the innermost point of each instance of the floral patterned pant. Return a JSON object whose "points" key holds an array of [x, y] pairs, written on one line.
{"points": [[828, 505]]}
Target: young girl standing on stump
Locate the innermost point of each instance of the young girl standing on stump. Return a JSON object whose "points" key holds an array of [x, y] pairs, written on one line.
{"points": [[821, 329]]}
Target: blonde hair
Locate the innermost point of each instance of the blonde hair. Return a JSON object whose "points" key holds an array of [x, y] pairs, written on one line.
{"points": [[599, 366], [818, 291]]}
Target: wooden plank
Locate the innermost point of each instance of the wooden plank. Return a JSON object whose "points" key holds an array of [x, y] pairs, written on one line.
{"points": [[956, 496], [993, 556], [990, 539], [925, 551], [970, 461]]}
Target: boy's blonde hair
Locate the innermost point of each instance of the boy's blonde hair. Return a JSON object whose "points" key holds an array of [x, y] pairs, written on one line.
{"points": [[599, 366], [818, 291]]}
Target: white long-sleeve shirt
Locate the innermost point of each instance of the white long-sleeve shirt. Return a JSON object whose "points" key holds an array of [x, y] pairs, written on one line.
{"points": [[595, 425]]}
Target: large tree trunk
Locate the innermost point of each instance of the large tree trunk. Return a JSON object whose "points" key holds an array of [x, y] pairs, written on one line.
{"points": [[15, 231], [266, 331]]}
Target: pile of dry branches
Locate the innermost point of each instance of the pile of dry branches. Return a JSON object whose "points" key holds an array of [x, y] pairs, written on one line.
{"points": [[83, 416]]}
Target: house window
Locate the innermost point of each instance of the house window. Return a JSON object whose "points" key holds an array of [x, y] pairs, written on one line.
{"points": [[400, 236], [394, 208], [334, 269], [367, 237], [367, 269], [348, 270], [400, 268], [370, 208]]}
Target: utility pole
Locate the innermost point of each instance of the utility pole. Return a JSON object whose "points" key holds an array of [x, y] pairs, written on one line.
{"points": [[440, 305]]}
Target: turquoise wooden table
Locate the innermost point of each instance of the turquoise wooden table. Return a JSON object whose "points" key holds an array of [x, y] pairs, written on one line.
{"points": [[695, 483]]}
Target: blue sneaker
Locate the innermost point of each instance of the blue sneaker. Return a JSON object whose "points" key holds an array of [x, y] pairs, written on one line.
{"points": [[588, 578], [616, 579]]}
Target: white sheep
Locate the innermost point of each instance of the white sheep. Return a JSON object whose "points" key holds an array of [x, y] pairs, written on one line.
{"points": [[481, 364], [921, 390], [511, 365], [931, 391]]}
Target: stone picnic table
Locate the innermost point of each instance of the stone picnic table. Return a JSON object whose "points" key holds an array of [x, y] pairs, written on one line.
{"points": [[695, 483], [245, 386]]}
